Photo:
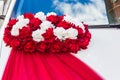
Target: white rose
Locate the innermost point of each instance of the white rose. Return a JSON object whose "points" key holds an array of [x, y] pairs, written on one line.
{"points": [[41, 16], [15, 31], [37, 35], [46, 24], [60, 33], [51, 13], [71, 33], [75, 21], [20, 17], [19, 25], [67, 18]]}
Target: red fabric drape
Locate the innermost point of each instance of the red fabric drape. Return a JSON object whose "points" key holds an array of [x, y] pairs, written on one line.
{"points": [[36, 66]]}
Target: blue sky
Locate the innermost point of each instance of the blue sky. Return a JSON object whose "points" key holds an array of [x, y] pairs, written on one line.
{"points": [[74, 1], [89, 11], [44, 5]]}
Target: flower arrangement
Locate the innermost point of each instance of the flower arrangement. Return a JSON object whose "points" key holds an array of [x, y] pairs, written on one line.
{"points": [[46, 33]]}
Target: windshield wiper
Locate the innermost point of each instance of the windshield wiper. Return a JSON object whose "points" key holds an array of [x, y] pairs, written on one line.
{"points": [[104, 26]]}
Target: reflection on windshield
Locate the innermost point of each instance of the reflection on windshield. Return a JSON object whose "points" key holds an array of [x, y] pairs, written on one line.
{"points": [[33, 6], [90, 11], [113, 11]]}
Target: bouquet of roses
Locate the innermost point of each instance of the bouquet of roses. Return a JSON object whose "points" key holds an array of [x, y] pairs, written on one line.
{"points": [[46, 33]]}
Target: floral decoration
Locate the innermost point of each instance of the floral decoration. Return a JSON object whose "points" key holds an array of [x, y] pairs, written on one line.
{"points": [[46, 33]]}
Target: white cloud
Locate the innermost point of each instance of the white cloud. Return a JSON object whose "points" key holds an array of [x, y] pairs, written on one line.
{"points": [[91, 13]]}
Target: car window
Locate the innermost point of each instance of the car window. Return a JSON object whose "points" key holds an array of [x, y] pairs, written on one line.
{"points": [[92, 12]]}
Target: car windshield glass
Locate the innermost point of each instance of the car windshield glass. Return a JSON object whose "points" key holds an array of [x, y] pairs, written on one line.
{"points": [[92, 12]]}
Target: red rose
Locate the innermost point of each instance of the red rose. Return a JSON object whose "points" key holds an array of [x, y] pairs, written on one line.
{"points": [[64, 24], [7, 32], [29, 46], [7, 36], [25, 32], [7, 40], [61, 17], [51, 40], [15, 43], [42, 47], [80, 31], [49, 36], [56, 47], [73, 47], [34, 23], [83, 42], [28, 39], [86, 27], [12, 22], [88, 35], [53, 18], [65, 43], [29, 15]]}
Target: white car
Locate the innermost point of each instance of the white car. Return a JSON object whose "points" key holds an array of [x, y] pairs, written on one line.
{"points": [[102, 55]]}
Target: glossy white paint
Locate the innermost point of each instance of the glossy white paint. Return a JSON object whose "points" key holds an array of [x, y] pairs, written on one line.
{"points": [[102, 55]]}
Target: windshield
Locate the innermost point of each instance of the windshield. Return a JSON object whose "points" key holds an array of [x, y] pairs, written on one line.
{"points": [[92, 12]]}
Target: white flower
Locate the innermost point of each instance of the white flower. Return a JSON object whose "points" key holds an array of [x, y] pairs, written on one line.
{"points": [[71, 33], [45, 25], [20, 17], [63, 34], [15, 31], [41, 16], [75, 21], [37, 35], [68, 19], [60, 33], [51, 13], [19, 25]]}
